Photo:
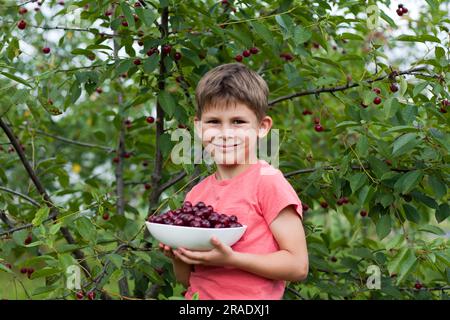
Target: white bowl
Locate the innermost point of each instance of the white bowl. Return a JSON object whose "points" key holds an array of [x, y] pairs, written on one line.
{"points": [[193, 238]]}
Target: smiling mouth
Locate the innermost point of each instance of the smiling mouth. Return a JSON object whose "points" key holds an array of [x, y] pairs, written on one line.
{"points": [[225, 146]]}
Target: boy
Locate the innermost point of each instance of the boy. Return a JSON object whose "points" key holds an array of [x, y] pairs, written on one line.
{"points": [[231, 115]]}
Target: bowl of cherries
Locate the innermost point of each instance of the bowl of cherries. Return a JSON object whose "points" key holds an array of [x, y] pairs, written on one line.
{"points": [[193, 226]]}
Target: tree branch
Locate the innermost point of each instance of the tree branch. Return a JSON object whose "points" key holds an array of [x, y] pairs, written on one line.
{"points": [[21, 195], [78, 143], [54, 211], [123, 282], [339, 88]]}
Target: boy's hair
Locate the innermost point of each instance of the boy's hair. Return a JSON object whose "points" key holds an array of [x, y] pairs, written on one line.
{"points": [[230, 83]]}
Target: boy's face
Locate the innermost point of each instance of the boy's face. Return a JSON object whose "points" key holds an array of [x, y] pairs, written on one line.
{"points": [[230, 135]]}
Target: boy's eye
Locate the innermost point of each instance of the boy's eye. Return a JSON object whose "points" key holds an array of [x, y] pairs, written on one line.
{"points": [[238, 121], [212, 121]]}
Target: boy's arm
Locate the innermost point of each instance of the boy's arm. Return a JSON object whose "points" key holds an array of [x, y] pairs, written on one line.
{"points": [[290, 263], [182, 271]]}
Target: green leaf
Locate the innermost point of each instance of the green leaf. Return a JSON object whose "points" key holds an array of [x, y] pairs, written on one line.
{"points": [[167, 102], [411, 213], [151, 63], [362, 146], [127, 13], [418, 88], [443, 212], [420, 38], [405, 143], [85, 228], [124, 66], [5, 268], [408, 181], [116, 259], [146, 15], [388, 19], [301, 35], [383, 226], [378, 167], [263, 33], [406, 265], [16, 78], [45, 272], [351, 36], [357, 181], [432, 229], [144, 256], [438, 186], [40, 215]]}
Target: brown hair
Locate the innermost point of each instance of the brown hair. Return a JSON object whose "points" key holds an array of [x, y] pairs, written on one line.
{"points": [[231, 83]]}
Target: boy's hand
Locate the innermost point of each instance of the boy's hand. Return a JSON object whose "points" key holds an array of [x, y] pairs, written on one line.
{"points": [[168, 252], [221, 255]]}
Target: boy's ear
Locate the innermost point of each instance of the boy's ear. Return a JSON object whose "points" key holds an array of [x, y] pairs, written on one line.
{"points": [[264, 126]]}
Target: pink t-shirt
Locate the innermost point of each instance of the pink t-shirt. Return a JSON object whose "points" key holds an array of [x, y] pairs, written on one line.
{"points": [[256, 196]]}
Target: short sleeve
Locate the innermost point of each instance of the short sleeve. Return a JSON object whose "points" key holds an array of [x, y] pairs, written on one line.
{"points": [[276, 193]]}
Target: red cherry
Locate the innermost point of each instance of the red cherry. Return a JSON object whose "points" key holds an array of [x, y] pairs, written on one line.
{"points": [[399, 11], [177, 56], [318, 128], [125, 23], [166, 49], [306, 112], [305, 207], [418, 286], [376, 90], [99, 90], [323, 204], [145, 163], [345, 200], [340, 202], [79, 295], [24, 270], [147, 186], [442, 110], [316, 120], [254, 50], [105, 216], [127, 155], [108, 13], [362, 104], [30, 271], [116, 159], [137, 62], [28, 239], [61, 3], [46, 50], [246, 53], [445, 103], [363, 213], [137, 4], [238, 58], [136, 17], [377, 100], [393, 87], [404, 10], [150, 119], [400, 5], [333, 259], [22, 24], [23, 10], [91, 295]]}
